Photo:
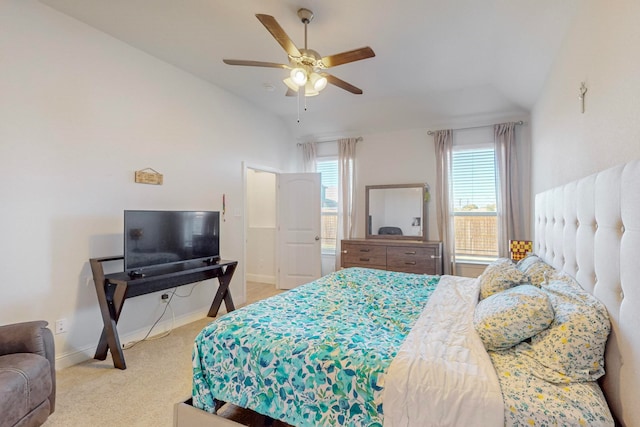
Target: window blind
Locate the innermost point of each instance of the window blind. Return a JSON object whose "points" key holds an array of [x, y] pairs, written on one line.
{"points": [[329, 172], [473, 182], [328, 169]]}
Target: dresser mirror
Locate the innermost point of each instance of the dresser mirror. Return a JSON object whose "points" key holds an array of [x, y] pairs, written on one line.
{"points": [[396, 212]]}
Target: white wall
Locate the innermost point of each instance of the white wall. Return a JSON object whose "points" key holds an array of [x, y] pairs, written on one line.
{"points": [[81, 112], [400, 157], [602, 50]]}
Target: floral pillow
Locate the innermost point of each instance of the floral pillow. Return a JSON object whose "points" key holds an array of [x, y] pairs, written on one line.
{"points": [[572, 348], [527, 261], [500, 275], [509, 317], [536, 269]]}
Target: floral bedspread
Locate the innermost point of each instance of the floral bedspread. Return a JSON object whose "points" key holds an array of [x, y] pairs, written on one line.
{"points": [[314, 355]]}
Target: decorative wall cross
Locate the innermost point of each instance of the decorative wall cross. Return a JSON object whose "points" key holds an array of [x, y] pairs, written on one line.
{"points": [[583, 91]]}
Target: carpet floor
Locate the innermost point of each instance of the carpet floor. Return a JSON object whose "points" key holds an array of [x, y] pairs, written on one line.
{"points": [[158, 375]]}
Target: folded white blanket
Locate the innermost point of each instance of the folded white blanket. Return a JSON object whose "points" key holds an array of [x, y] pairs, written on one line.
{"points": [[442, 375]]}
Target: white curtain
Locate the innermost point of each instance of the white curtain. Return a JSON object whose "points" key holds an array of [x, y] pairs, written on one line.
{"points": [[346, 185], [510, 221], [309, 154], [443, 142]]}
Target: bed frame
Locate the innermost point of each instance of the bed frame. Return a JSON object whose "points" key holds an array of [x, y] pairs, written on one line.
{"points": [[590, 228]]}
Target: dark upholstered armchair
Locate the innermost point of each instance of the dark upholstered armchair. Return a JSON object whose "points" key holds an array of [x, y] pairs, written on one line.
{"points": [[27, 374], [394, 231]]}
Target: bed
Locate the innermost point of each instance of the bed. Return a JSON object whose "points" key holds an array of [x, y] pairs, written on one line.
{"points": [[379, 369]]}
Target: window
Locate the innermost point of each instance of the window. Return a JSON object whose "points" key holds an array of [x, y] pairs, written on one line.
{"points": [[328, 168], [473, 173]]}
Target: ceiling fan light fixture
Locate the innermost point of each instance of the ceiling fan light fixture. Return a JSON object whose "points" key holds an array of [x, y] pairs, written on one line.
{"points": [[290, 84], [299, 76], [309, 90], [319, 82]]}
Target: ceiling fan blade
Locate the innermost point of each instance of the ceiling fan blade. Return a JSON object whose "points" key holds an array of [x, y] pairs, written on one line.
{"points": [[346, 57], [278, 33], [254, 63], [342, 84], [290, 92]]}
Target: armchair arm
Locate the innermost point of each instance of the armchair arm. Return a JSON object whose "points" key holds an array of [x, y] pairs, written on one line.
{"points": [[27, 337], [31, 337]]}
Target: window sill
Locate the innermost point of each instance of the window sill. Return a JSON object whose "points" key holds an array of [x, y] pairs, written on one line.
{"points": [[471, 261]]}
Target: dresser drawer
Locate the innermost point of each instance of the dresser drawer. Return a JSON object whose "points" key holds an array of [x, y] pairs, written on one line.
{"points": [[393, 255], [363, 255], [421, 260]]}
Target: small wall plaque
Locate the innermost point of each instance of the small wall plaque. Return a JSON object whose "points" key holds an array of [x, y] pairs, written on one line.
{"points": [[148, 176]]}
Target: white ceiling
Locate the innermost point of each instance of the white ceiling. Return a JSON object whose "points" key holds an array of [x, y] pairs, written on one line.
{"points": [[436, 62]]}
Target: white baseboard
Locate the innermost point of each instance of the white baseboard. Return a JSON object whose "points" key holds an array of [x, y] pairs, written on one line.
{"points": [[261, 278], [68, 359]]}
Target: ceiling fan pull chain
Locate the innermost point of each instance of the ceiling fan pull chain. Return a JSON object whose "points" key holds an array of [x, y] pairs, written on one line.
{"points": [[298, 109]]}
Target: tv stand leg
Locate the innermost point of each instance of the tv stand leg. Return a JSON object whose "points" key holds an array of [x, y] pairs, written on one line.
{"points": [[110, 341], [223, 292], [110, 301]]}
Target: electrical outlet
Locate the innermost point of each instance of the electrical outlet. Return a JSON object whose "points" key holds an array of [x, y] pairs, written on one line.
{"points": [[164, 298], [62, 326]]}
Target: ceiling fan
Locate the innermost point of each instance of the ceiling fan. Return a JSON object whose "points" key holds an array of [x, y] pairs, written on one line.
{"points": [[306, 66]]}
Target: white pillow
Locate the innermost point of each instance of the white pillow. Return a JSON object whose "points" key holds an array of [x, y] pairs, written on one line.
{"points": [[509, 317]]}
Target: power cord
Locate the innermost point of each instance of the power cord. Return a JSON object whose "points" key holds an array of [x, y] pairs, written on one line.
{"points": [[132, 344], [190, 292]]}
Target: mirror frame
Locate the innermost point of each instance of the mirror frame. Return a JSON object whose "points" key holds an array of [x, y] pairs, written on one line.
{"points": [[425, 224]]}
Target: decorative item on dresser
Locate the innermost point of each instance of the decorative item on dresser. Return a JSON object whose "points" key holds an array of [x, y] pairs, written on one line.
{"points": [[406, 256], [519, 249]]}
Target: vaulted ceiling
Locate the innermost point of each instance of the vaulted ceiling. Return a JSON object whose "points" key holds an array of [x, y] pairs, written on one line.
{"points": [[436, 62]]}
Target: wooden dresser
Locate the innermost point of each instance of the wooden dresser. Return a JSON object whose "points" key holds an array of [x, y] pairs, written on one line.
{"points": [[409, 256]]}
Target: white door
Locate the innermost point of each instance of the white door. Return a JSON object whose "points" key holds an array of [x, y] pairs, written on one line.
{"points": [[298, 229]]}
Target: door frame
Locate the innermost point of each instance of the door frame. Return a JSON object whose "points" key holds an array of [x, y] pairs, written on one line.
{"points": [[261, 168]]}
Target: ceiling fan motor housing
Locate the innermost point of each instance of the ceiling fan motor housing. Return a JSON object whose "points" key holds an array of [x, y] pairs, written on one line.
{"points": [[308, 57]]}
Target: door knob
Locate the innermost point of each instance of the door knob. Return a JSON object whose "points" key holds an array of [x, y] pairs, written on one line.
{"points": [[317, 237]]}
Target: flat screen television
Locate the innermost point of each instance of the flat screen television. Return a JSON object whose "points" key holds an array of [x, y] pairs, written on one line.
{"points": [[158, 238]]}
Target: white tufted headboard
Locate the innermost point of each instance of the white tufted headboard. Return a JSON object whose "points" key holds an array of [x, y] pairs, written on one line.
{"points": [[590, 228]]}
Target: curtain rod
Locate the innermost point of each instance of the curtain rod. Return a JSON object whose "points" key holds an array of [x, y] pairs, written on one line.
{"points": [[300, 144], [430, 132]]}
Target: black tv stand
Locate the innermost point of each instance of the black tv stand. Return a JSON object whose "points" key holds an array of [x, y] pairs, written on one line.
{"points": [[113, 289]]}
